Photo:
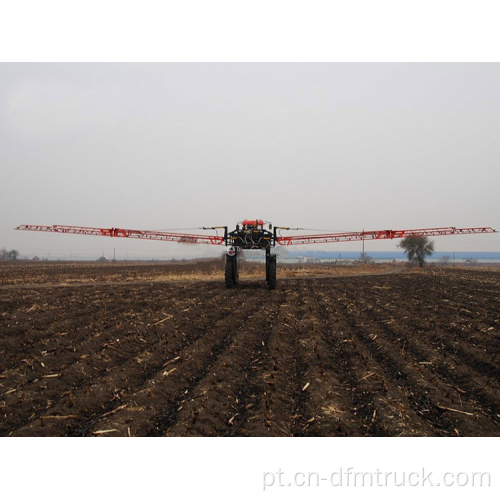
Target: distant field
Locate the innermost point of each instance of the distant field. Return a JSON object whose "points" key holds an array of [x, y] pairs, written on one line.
{"points": [[165, 350]]}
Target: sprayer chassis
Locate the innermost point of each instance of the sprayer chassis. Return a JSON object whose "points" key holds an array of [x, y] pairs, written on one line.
{"points": [[251, 236]]}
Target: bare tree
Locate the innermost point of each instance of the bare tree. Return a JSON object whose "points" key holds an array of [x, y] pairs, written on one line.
{"points": [[417, 248], [446, 259], [8, 254], [13, 255], [364, 258]]}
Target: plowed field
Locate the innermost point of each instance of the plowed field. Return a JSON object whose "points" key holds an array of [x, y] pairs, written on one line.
{"points": [[155, 350]]}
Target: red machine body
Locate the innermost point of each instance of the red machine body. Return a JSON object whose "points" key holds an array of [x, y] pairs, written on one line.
{"points": [[253, 222]]}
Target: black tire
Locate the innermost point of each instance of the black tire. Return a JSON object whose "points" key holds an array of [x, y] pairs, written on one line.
{"points": [[271, 278], [229, 272]]}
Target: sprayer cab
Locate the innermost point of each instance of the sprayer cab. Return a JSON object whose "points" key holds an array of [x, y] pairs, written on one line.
{"points": [[251, 235]]}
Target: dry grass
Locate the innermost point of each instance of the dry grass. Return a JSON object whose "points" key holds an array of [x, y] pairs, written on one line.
{"points": [[71, 273]]}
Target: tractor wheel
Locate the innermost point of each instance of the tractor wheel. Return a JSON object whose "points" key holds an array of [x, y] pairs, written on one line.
{"points": [[230, 272], [271, 278]]}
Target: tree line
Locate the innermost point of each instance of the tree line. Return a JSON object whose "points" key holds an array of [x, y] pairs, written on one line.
{"points": [[8, 254]]}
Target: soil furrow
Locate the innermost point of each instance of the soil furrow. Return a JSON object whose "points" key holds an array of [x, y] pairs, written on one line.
{"points": [[99, 386], [74, 327], [427, 392], [180, 371], [162, 350], [216, 405], [271, 406], [453, 366], [432, 349], [378, 401]]}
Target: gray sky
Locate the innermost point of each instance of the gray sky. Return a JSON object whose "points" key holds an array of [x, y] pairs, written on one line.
{"points": [[332, 146]]}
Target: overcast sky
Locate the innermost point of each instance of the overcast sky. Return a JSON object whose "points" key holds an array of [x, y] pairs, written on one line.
{"points": [[164, 146]]}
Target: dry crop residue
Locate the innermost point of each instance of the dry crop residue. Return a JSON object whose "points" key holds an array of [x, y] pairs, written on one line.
{"points": [[388, 355]]}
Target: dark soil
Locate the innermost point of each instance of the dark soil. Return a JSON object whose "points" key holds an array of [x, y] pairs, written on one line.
{"points": [[120, 352]]}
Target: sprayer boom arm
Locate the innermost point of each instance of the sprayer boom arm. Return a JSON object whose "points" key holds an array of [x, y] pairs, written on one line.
{"points": [[127, 233], [387, 234], [378, 235]]}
